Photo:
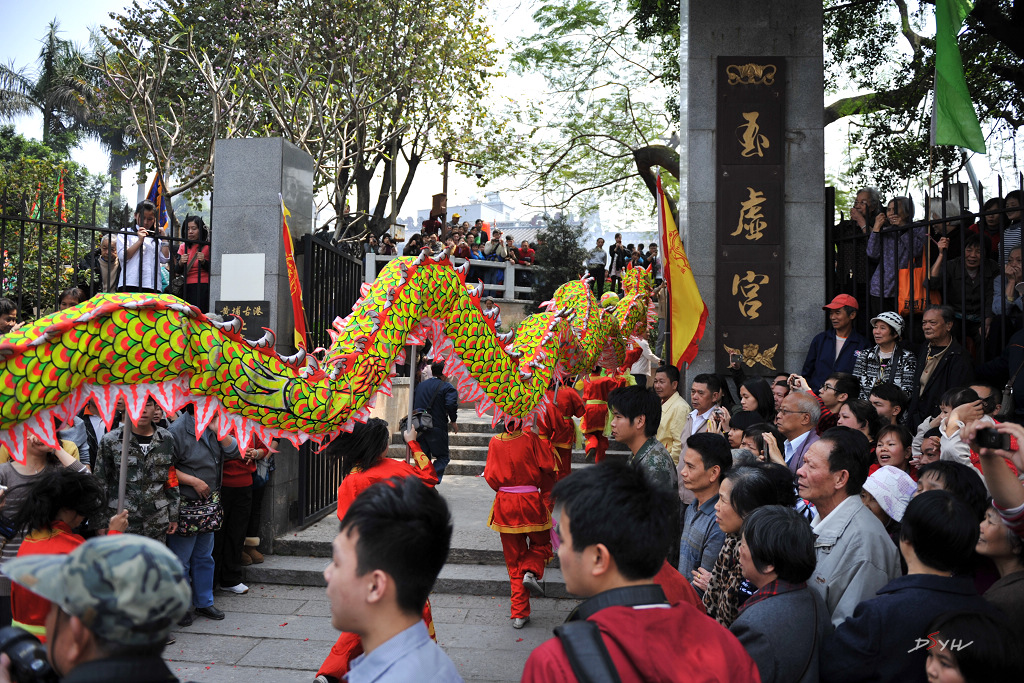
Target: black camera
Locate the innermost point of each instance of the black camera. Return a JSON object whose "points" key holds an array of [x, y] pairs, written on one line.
{"points": [[990, 438], [27, 655]]}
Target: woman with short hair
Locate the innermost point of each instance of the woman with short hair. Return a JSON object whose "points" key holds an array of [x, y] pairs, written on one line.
{"points": [[894, 249], [783, 624], [743, 490]]}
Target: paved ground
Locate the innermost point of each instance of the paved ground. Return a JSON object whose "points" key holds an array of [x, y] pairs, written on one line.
{"points": [[282, 633]]}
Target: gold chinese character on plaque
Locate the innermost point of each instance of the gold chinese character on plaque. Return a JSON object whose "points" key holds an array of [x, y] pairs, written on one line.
{"points": [[258, 310], [750, 136], [751, 219], [748, 289]]}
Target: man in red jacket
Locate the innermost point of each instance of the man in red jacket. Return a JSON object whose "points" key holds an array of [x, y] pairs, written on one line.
{"points": [[518, 466], [558, 427], [595, 412], [614, 530]]}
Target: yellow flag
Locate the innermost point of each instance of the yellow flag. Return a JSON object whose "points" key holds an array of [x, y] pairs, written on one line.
{"points": [[687, 312]]}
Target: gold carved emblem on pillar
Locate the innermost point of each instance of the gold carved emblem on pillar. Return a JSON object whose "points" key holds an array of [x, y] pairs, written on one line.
{"points": [[751, 355], [751, 74]]}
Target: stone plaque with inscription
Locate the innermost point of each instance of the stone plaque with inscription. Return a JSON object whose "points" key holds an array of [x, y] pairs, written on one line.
{"points": [[255, 315], [750, 193]]}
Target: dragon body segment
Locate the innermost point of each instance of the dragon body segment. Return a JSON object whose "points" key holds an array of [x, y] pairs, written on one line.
{"points": [[136, 346]]}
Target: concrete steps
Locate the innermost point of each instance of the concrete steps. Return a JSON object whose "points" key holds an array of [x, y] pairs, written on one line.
{"points": [[461, 579], [476, 565]]}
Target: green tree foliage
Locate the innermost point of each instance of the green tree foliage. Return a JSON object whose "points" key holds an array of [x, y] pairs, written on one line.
{"points": [[340, 80], [559, 257], [602, 122], [658, 20], [886, 52], [57, 88], [40, 255]]}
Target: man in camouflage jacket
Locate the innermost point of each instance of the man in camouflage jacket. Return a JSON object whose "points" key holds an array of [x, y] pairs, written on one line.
{"points": [[151, 493]]}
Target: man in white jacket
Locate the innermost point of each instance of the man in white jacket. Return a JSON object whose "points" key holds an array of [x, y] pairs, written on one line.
{"points": [[855, 556]]}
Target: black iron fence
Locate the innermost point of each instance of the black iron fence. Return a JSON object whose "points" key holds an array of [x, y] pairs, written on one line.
{"points": [[46, 253], [904, 261], [331, 279]]}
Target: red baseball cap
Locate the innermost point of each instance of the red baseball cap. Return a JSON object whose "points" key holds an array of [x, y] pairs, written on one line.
{"points": [[840, 301]]}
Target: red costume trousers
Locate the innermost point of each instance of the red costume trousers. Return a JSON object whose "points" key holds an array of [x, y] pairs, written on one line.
{"points": [[524, 553], [565, 462], [597, 442], [349, 646]]}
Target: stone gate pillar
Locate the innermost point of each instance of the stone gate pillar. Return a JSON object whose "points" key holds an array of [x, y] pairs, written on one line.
{"points": [[247, 268], [752, 209]]}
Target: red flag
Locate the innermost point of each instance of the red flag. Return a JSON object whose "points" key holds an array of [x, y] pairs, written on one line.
{"points": [[294, 286], [59, 206]]}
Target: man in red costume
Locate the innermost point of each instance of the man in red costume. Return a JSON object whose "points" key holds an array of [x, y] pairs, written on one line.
{"points": [[557, 429], [613, 506], [595, 412], [518, 465], [364, 462]]}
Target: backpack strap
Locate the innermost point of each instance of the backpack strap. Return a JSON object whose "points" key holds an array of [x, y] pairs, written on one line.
{"points": [[627, 596], [587, 653]]}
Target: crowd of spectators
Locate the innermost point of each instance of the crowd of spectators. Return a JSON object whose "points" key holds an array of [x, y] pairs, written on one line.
{"points": [[476, 242], [887, 473], [888, 258], [605, 266], [840, 533]]}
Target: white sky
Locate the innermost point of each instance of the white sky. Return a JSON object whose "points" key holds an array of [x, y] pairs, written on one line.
{"points": [[23, 24]]}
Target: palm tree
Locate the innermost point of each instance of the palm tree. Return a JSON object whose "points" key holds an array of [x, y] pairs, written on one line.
{"points": [[59, 90], [107, 121]]}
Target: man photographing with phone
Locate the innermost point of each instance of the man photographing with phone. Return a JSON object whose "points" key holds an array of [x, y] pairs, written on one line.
{"points": [[141, 251]]}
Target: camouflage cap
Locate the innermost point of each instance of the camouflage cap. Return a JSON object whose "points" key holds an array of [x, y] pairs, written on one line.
{"points": [[125, 588]]}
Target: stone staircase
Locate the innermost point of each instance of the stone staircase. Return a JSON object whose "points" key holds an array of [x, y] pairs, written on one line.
{"points": [[475, 565]]}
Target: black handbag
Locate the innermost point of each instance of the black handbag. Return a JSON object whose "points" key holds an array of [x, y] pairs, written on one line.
{"points": [[177, 286], [422, 420], [199, 516]]}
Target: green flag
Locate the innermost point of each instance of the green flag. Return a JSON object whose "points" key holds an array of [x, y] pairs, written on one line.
{"points": [[954, 120]]}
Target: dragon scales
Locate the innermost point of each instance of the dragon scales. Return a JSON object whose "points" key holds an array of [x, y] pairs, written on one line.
{"points": [[136, 346]]}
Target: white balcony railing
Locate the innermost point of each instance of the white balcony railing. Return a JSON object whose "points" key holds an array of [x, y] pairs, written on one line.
{"points": [[507, 290]]}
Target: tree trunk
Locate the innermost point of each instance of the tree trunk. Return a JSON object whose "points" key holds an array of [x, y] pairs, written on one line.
{"points": [[647, 158], [114, 170], [363, 176]]}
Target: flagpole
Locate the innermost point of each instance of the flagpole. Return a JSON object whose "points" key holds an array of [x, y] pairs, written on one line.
{"points": [[412, 388]]}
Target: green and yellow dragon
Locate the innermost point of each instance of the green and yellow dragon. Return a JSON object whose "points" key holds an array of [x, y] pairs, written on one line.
{"points": [[134, 346]]}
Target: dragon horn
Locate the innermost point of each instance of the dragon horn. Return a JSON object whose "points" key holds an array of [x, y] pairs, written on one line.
{"points": [[267, 341], [234, 325], [297, 358]]}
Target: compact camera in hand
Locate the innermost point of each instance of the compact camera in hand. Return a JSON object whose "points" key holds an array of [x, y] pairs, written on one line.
{"points": [[990, 438]]}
